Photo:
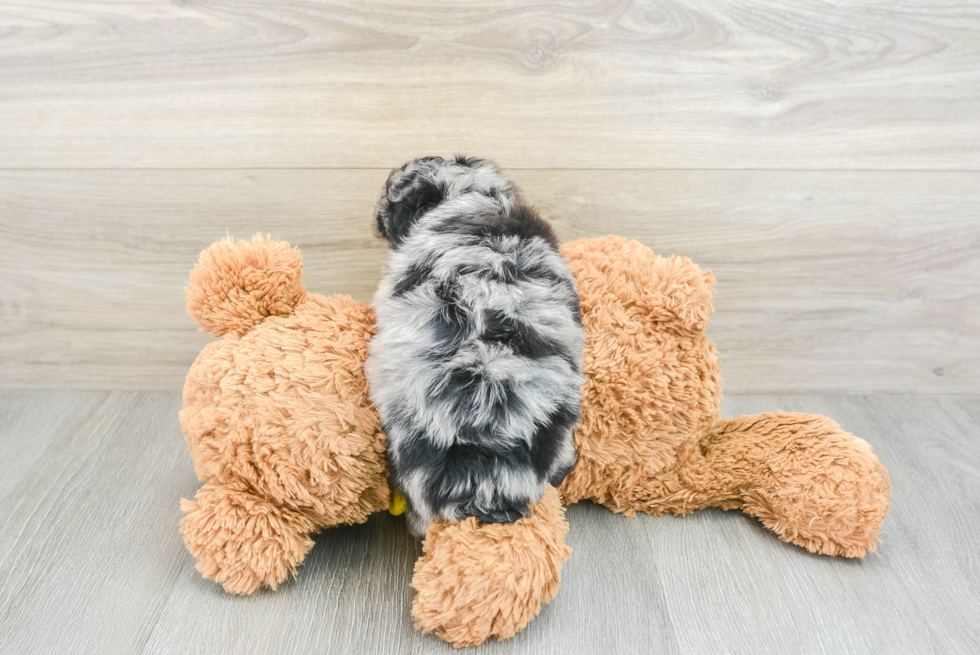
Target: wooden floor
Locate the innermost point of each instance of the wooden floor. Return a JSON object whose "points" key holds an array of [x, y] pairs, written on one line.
{"points": [[91, 560]]}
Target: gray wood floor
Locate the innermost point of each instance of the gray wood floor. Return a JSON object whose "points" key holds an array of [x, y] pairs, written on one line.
{"points": [[91, 560]]}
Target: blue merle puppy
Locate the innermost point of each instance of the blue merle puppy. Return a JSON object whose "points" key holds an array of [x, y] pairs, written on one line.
{"points": [[477, 361]]}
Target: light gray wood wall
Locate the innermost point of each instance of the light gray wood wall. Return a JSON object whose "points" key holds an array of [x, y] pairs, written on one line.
{"points": [[823, 159]]}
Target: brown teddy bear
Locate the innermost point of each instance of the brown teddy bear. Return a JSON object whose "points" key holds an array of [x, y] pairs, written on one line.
{"points": [[278, 422]]}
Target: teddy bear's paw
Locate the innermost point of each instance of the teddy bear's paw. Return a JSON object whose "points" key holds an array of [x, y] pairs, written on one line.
{"points": [[242, 541], [478, 580]]}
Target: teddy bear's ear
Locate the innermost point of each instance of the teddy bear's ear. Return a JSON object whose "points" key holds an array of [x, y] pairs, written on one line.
{"points": [[670, 291], [685, 291], [237, 284]]}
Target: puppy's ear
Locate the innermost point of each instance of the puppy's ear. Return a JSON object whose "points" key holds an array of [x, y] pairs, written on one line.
{"points": [[472, 162], [409, 193]]}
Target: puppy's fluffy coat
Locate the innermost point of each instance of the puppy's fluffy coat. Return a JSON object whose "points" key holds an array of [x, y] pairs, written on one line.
{"points": [[477, 362]]}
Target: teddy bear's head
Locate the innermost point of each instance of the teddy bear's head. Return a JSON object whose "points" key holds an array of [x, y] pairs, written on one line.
{"points": [[280, 403]]}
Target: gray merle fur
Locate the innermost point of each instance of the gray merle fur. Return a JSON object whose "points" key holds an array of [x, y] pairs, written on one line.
{"points": [[477, 361]]}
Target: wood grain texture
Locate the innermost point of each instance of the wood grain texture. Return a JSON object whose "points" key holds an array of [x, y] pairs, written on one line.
{"points": [[827, 281], [91, 559], [89, 537], [862, 84]]}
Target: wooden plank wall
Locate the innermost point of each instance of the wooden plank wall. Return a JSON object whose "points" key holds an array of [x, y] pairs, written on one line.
{"points": [[822, 158]]}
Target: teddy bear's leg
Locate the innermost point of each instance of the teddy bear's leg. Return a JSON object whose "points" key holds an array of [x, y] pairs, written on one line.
{"points": [[478, 580], [805, 478], [241, 540]]}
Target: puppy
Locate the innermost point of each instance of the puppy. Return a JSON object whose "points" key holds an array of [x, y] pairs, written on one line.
{"points": [[476, 365]]}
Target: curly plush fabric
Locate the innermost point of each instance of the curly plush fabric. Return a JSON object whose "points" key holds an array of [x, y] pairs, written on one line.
{"points": [[805, 478], [241, 540], [480, 580], [650, 439], [236, 285], [652, 386], [280, 412], [278, 422]]}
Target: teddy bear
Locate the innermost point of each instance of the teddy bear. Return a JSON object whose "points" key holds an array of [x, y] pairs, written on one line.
{"points": [[278, 423]]}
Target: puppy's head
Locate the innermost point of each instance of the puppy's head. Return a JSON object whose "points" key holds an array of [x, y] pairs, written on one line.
{"points": [[422, 184]]}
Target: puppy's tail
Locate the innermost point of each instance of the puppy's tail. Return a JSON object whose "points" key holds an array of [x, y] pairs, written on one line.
{"points": [[237, 284]]}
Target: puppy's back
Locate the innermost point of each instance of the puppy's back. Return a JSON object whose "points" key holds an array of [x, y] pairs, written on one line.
{"points": [[476, 365]]}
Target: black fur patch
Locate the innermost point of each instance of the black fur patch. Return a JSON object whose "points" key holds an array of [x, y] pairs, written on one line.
{"points": [[470, 162], [521, 338], [522, 222], [416, 275], [464, 466], [466, 389], [452, 321], [548, 439], [414, 195], [576, 307]]}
